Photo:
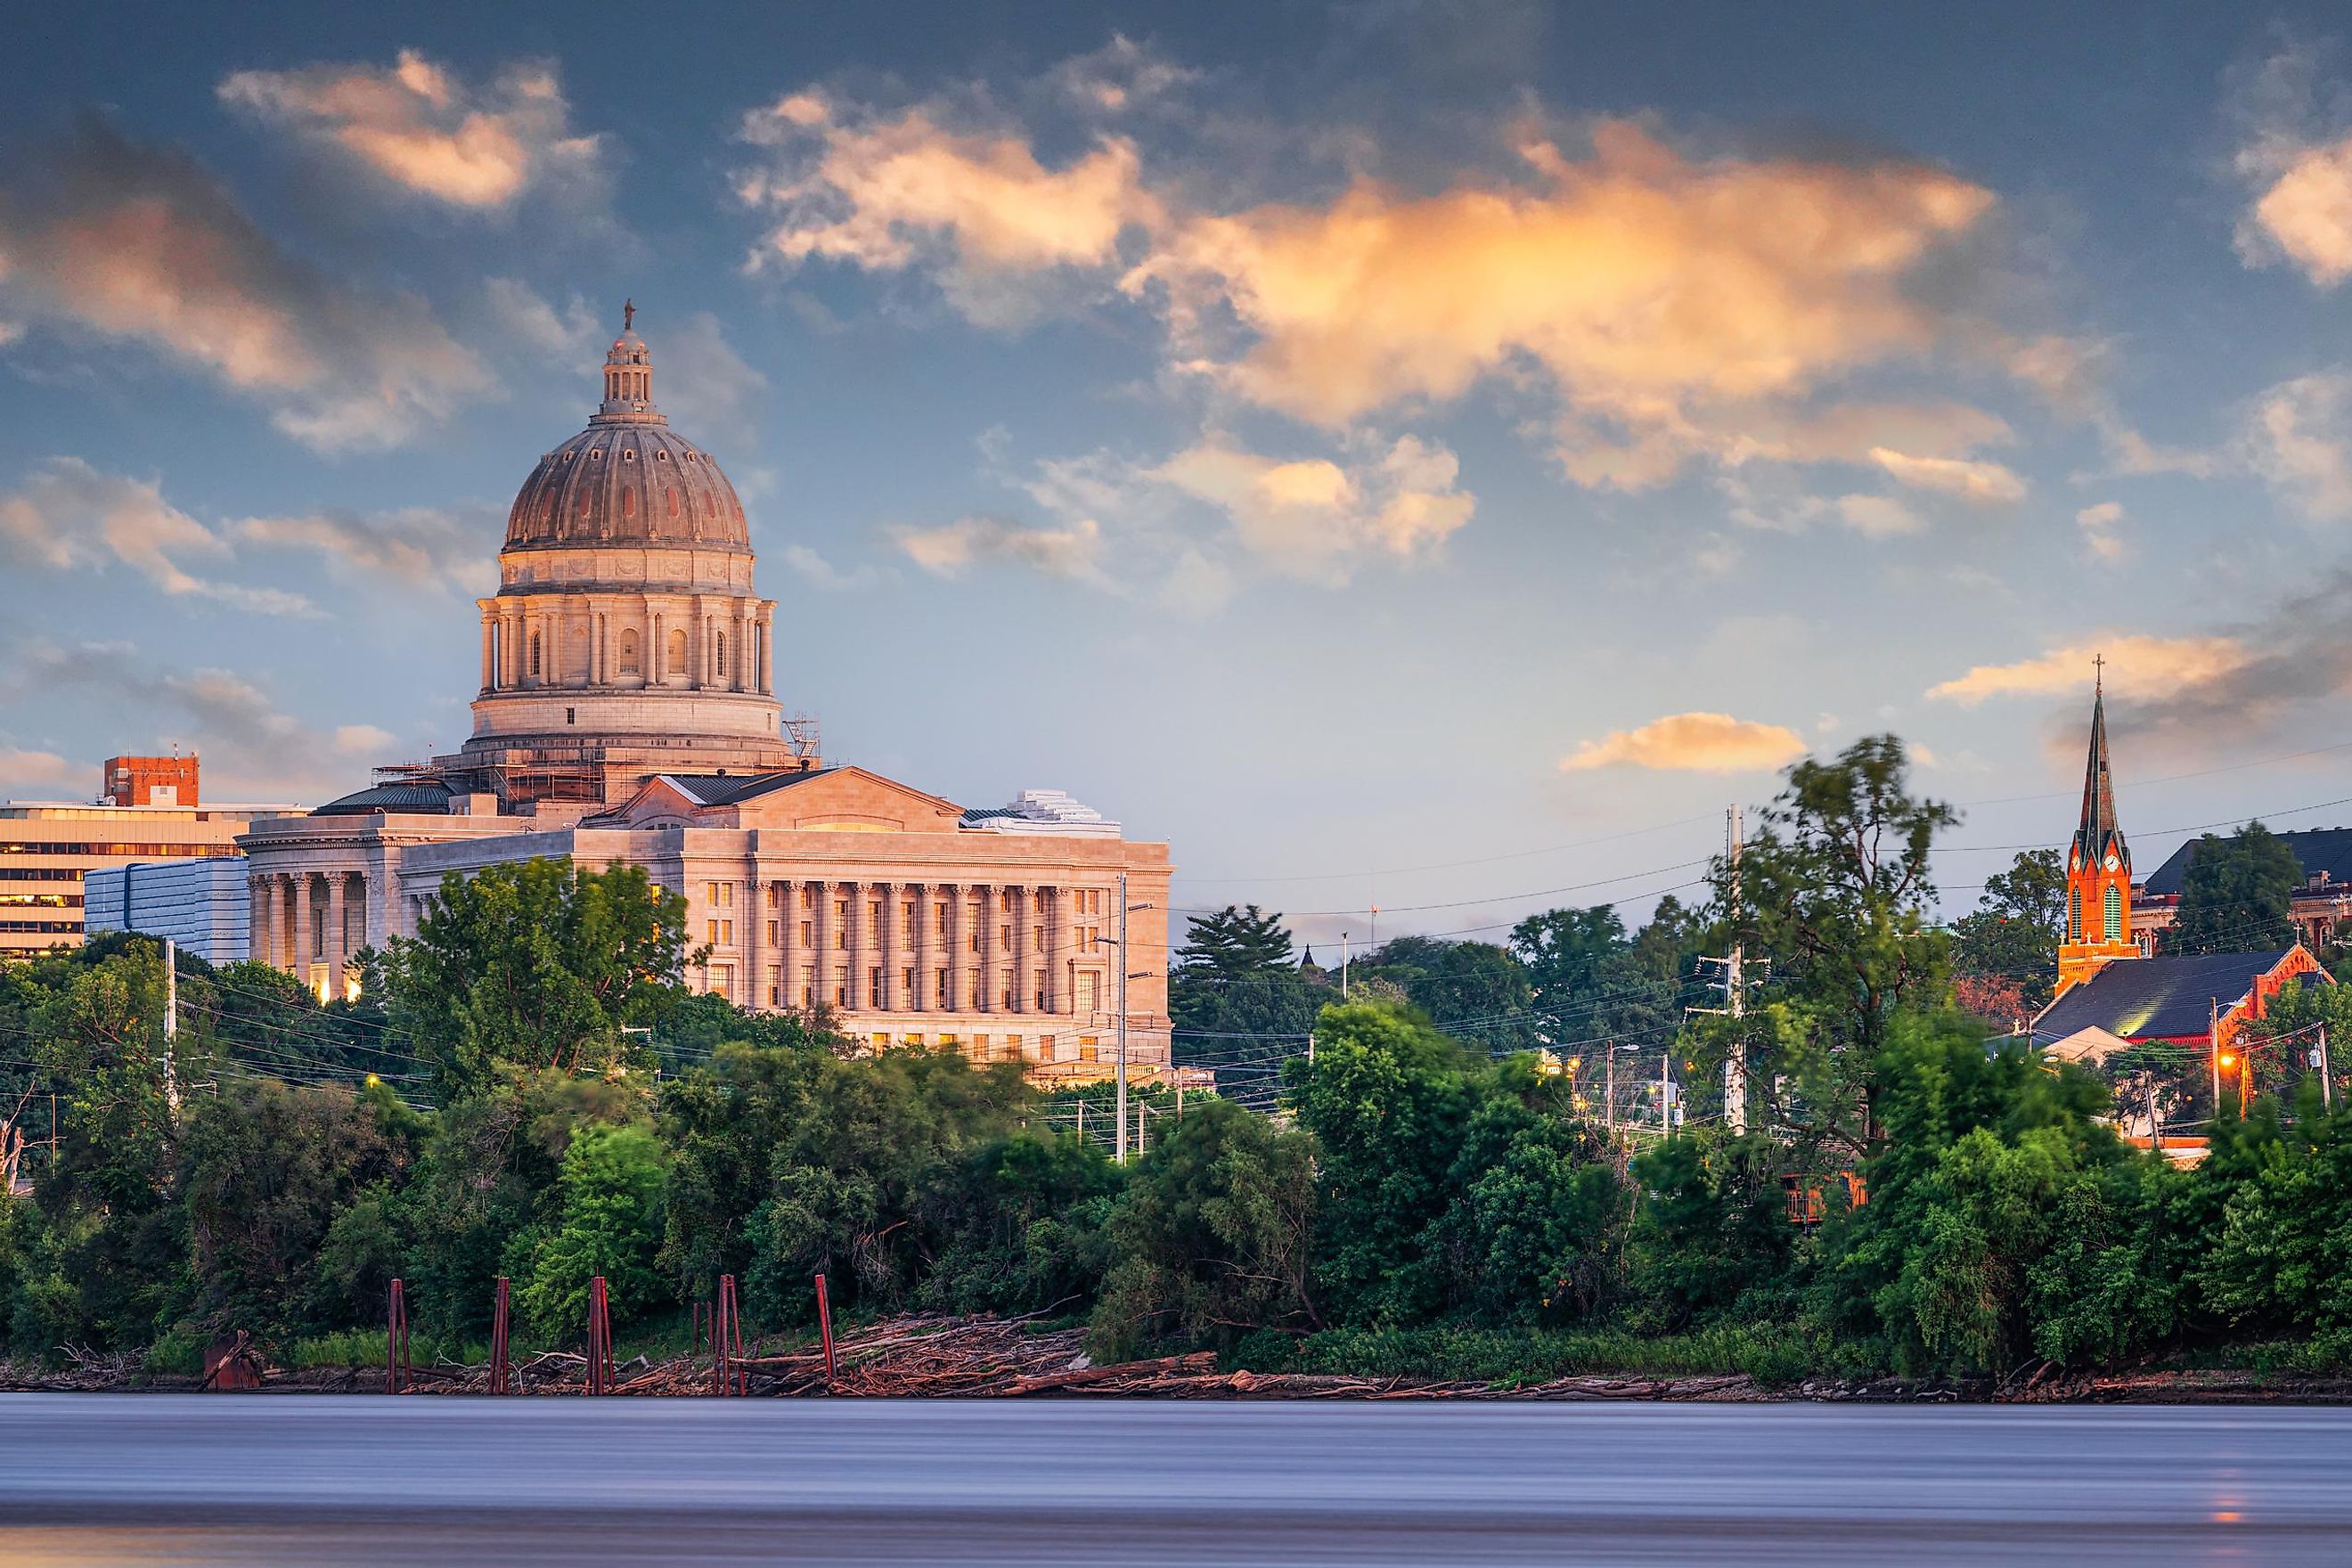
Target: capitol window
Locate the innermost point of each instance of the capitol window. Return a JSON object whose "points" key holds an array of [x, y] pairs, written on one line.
{"points": [[534, 653], [678, 652], [629, 653]]}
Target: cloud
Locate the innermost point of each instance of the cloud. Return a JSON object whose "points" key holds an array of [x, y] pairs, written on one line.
{"points": [[139, 243], [1692, 743], [564, 336], [1878, 517], [426, 132], [2298, 438], [246, 741], [1983, 483], [818, 572], [1662, 297], [976, 207], [69, 516], [702, 383], [2296, 163], [1674, 307], [425, 547], [2137, 667], [2098, 525], [23, 769], [1313, 517], [951, 550]]}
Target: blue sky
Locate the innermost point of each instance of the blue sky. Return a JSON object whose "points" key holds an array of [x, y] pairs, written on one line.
{"points": [[1428, 455]]}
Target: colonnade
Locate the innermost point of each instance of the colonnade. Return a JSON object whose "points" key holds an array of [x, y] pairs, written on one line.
{"points": [[689, 642], [870, 946], [298, 919]]}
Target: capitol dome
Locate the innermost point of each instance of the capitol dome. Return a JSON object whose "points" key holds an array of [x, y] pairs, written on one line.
{"points": [[628, 478]]}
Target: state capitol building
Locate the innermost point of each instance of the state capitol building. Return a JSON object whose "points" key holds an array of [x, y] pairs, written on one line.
{"points": [[627, 714]]}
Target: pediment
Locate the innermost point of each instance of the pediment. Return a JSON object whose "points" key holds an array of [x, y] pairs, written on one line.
{"points": [[849, 800]]}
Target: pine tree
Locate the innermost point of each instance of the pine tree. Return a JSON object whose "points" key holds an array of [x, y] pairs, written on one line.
{"points": [[1235, 942]]}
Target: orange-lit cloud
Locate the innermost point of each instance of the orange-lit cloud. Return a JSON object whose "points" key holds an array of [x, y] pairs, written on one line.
{"points": [[1678, 307], [1313, 517], [2137, 666], [885, 193], [136, 242], [423, 130], [2098, 525], [1692, 743], [2298, 438], [2306, 212], [1985, 483]]}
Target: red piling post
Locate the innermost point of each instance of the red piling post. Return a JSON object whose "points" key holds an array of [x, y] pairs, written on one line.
{"points": [[500, 1314], [825, 1326], [727, 1341], [395, 1342], [600, 1338]]}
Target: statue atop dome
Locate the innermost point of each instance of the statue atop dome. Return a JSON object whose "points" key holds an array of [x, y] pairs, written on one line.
{"points": [[628, 315]]}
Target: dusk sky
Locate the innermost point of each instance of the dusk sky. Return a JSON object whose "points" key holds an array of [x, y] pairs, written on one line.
{"points": [[1428, 455]]}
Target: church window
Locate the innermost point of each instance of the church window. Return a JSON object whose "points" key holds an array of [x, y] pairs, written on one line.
{"points": [[2114, 912], [678, 652], [628, 503], [2074, 915], [629, 653]]}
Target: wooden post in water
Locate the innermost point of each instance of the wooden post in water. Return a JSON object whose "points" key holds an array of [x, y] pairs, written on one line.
{"points": [[501, 1315], [395, 1342], [824, 1328]]}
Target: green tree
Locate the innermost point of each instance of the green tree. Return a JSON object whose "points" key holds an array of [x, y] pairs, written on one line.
{"points": [[265, 1169], [1478, 991], [534, 965], [2235, 895], [1837, 896], [610, 1225], [2013, 933], [1233, 975], [1387, 1098], [1711, 1236], [1532, 1234], [1212, 1239]]}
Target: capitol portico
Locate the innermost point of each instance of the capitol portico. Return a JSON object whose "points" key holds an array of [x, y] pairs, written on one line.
{"points": [[628, 713]]}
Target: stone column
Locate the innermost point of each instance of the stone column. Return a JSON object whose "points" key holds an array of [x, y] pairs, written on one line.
{"points": [[698, 657], [885, 947], [338, 933], [981, 905], [821, 942], [274, 892], [853, 950], [918, 952], [952, 893], [787, 942], [489, 645], [304, 943], [1061, 991], [1019, 1001]]}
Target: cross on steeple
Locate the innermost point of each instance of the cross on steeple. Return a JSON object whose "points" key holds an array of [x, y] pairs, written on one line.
{"points": [[2098, 674]]}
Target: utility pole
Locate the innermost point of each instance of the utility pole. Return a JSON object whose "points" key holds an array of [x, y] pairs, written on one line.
{"points": [[2327, 1082], [1121, 1031], [1343, 966], [1666, 1089], [2155, 1117], [171, 1023], [1735, 1060], [1610, 1112], [2213, 1053]]}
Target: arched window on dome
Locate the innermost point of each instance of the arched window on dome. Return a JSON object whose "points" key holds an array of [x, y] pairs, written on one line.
{"points": [[678, 652], [628, 504], [710, 507], [629, 653], [673, 504], [585, 502], [719, 674], [534, 654]]}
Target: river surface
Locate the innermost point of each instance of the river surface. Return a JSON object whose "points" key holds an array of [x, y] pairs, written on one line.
{"points": [[168, 1478]]}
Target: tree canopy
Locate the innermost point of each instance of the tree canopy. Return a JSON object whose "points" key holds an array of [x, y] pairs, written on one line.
{"points": [[2235, 896]]}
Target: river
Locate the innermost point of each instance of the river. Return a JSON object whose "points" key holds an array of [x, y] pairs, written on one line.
{"points": [[221, 1479]]}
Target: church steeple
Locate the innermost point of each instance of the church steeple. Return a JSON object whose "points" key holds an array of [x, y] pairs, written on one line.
{"points": [[2099, 833], [2098, 865]]}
